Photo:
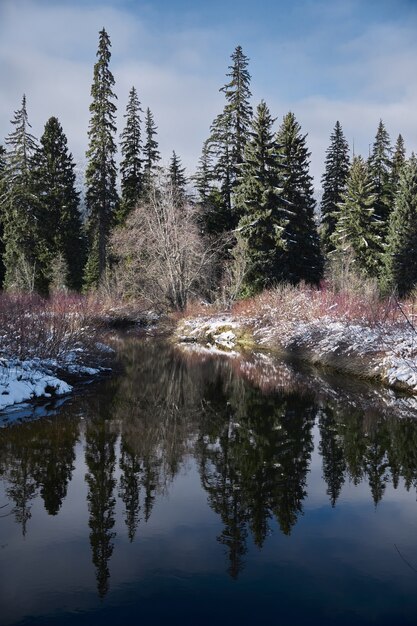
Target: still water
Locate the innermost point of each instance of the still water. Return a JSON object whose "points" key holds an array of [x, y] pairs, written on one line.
{"points": [[193, 490]]}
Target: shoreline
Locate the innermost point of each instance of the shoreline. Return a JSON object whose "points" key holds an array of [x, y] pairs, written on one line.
{"points": [[383, 354]]}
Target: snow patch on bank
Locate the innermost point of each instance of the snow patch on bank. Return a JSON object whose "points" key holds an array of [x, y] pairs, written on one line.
{"points": [[386, 352], [23, 381]]}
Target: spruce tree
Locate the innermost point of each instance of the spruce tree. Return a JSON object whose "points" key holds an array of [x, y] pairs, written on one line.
{"points": [[398, 162], [237, 93], [2, 193], [228, 137], [380, 167], [401, 251], [101, 195], [151, 155], [305, 261], [177, 175], [358, 231], [59, 216], [131, 165], [264, 215], [20, 223], [333, 183]]}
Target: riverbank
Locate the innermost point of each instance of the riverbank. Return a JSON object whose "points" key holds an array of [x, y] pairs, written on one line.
{"points": [[375, 342]]}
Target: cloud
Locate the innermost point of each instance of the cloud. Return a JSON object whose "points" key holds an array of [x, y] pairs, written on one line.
{"points": [[336, 71]]}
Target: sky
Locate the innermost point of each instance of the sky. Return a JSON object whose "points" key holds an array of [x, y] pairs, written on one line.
{"points": [[349, 60]]}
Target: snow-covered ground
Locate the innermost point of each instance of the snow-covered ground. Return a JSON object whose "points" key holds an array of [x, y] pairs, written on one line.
{"points": [[26, 380], [385, 352]]}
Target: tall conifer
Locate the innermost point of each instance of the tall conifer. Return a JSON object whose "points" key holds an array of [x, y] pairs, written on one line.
{"points": [[334, 183], [380, 168], [2, 193], [264, 215], [151, 155], [131, 170], [59, 217], [177, 175], [401, 252], [228, 137], [398, 162], [20, 224], [101, 196], [358, 230], [305, 261]]}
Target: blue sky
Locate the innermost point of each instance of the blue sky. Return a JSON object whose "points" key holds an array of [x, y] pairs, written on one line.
{"points": [[352, 60]]}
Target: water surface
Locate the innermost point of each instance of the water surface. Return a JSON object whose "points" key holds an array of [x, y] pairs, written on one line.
{"points": [[193, 490]]}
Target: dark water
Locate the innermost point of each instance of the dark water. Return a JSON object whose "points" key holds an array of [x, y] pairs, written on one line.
{"points": [[192, 491]]}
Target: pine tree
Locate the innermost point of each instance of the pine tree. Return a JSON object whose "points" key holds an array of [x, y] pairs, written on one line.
{"points": [[380, 167], [401, 252], [398, 162], [101, 196], [264, 214], [60, 224], [20, 224], [177, 175], [151, 155], [357, 232], [228, 137], [305, 261], [131, 164], [334, 183]]}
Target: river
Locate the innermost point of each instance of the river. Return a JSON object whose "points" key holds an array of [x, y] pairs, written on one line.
{"points": [[195, 490]]}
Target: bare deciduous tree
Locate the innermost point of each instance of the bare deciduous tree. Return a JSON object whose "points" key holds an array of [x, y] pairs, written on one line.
{"points": [[161, 254]]}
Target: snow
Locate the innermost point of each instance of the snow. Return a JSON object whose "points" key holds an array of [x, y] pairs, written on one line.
{"points": [[387, 352], [23, 381]]}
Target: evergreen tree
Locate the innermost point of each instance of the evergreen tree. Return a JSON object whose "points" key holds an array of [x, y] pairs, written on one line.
{"points": [[101, 196], [401, 252], [20, 224], [357, 232], [398, 162], [151, 155], [203, 178], [228, 137], [380, 167], [2, 194], [334, 183], [264, 214], [177, 175], [237, 93], [131, 164], [305, 261], [60, 220]]}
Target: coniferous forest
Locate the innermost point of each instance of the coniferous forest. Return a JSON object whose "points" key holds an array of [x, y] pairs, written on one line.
{"points": [[246, 220]]}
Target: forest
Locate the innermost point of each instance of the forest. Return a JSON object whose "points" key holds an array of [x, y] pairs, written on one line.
{"points": [[246, 220]]}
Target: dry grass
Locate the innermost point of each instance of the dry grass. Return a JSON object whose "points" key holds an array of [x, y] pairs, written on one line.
{"points": [[31, 326], [307, 304]]}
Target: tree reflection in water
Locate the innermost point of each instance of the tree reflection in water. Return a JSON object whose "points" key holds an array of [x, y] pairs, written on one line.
{"points": [[248, 423]]}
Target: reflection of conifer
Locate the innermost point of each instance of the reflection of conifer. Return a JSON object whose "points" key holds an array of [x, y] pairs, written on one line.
{"points": [[54, 460], [220, 476], [331, 449], [129, 491], [376, 466], [22, 486], [354, 445], [100, 460], [150, 483], [294, 457]]}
